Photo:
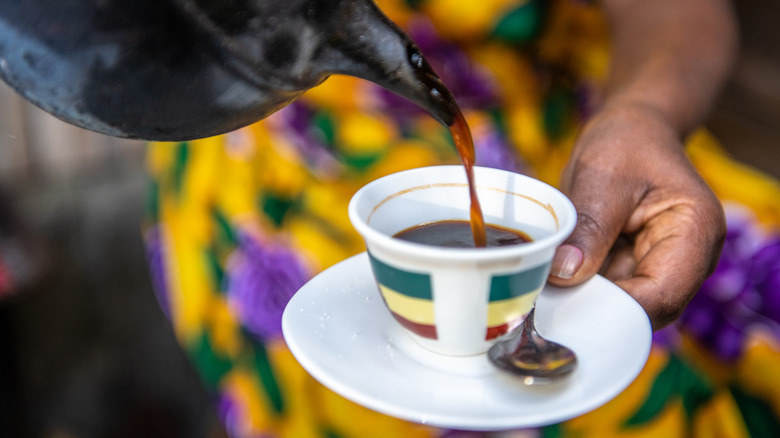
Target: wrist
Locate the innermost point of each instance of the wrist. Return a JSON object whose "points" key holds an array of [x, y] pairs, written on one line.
{"points": [[638, 113], [628, 135], [630, 121]]}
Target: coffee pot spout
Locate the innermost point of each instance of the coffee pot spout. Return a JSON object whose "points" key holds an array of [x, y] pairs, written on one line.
{"points": [[370, 46]]}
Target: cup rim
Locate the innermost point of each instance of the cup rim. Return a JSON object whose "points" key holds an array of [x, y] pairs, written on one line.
{"points": [[420, 250]]}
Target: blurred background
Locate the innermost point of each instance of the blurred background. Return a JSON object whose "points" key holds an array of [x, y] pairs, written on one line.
{"points": [[85, 350]]}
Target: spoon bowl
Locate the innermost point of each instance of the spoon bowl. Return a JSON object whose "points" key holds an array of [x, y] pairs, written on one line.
{"points": [[525, 353]]}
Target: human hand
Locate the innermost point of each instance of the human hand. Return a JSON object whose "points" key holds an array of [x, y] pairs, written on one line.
{"points": [[646, 219]]}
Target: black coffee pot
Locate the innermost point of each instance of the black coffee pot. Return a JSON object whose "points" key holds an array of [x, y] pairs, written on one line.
{"points": [[185, 69]]}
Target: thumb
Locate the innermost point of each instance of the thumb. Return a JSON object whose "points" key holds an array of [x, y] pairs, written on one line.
{"points": [[604, 203]]}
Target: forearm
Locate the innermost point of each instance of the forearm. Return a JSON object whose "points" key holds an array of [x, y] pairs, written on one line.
{"points": [[670, 57]]}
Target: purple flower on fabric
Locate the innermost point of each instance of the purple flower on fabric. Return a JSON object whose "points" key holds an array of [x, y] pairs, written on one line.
{"points": [[261, 280], [228, 412], [234, 418], [297, 115], [295, 122], [728, 339], [493, 150], [764, 277], [454, 433], [155, 254], [585, 99], [667, 336], [517, 433], [472, 85], [742, 292]]}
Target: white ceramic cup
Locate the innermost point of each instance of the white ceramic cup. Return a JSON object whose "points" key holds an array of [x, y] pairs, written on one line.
{"points": [[459, 301]]}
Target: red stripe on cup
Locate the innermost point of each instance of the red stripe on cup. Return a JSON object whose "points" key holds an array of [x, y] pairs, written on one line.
{"points": [[496, 331], [423, 330]]}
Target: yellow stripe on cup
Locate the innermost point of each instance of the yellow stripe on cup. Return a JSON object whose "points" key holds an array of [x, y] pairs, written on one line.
{"points": [[504, 311], [416, 310]]}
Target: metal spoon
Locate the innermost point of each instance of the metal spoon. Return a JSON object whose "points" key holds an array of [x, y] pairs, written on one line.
{"points": [[526, 354]]}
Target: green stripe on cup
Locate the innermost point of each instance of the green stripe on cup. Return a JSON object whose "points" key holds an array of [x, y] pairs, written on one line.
{"points": [[412, 284], [504, 287]]}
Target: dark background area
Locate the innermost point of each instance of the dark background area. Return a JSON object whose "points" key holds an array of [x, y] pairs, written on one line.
{"points": [[747, 117], [86, 352]]}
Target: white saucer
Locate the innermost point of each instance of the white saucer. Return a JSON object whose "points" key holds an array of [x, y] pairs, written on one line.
{"points": [[339, 330]]}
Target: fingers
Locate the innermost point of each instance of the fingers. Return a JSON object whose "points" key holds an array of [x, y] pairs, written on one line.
{"points": [[620, 263], [665, 280], [675, 251]]}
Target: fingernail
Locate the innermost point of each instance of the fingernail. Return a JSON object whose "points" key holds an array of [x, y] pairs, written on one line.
{"points": [[566, 261]]}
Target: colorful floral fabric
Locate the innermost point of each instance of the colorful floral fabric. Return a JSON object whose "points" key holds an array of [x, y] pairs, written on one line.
{"points": [[237, 223]]}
